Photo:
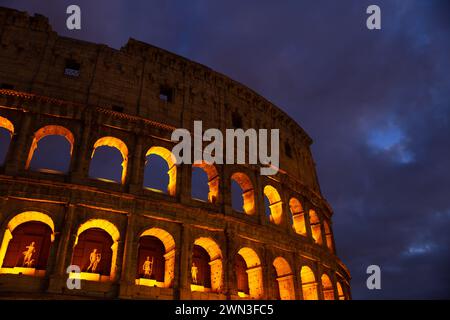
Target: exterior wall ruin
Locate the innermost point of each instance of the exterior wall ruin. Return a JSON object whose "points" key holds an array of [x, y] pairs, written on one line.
{"points": [[116, 97]]}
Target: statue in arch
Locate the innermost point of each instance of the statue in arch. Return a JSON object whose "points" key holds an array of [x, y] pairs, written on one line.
{"points": [[94, 259], [194, 273], [28, 254], [148, 267]]}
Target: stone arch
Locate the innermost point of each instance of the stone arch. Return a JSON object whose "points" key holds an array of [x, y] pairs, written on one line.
{"points": [[171, 163], [213, 180], [248, 193], [4, 145], [298, 216], [327, 287], [316, 229], [285, 279], [328, 235], [20, 219], [340, 291], [49, 130], [113, 232], [119, 145], [169, 256], [254, 272], [6, 124], [215, 262], [275, 204], [309, 284]]}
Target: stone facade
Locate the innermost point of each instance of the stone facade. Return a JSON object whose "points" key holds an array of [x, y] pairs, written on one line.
{"points": [[116, 94]]}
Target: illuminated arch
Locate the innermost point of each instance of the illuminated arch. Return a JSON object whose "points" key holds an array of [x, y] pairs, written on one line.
{"points": [[254, 271], [298, 216], [112, 230], [284, 278], [213, 180], [119, 145], [19, 219], [215, 262], [341, 294], [316, 228], [50, 130], [5, 123], [248, 193], [327, 287], [169, 256], [275, 204], [309, 284], [328, 236], [171, 163]]}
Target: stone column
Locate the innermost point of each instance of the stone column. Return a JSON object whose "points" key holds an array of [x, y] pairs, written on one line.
{"points": [[82, 154], [64, 252], [306, 208], [185, 176], [137, 167], [128, 268], [319, 283], [19, 146]]}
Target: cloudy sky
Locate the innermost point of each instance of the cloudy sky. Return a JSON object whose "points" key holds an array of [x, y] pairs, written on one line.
{"points": [[376, 103]]}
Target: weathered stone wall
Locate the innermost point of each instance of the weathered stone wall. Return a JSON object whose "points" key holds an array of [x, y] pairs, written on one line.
{"points": [[38, 94]]}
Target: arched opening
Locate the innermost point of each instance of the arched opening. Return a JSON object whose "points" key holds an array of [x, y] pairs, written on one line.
{"points": [[160, 170], [341, 294], [206, 268], [316, 230], [26, 244], [156, 259], [109, 160], [51, 150], [95, 250], [205, 182], [275, 204], [309, 284], [251, 273], [6, 133], [327, 287], [328, 236], [284, 279], [246, 192], [298, 216]]}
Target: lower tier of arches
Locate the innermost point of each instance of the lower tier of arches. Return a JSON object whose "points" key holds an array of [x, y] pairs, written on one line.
{"points": [[154, 255]]}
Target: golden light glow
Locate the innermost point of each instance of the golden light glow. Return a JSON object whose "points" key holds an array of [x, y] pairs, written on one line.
{"points": [[24, 271], [275, 204], [328, 236], [213, 180], [309, 284], [298, 216], [248, 194], [119, 145], [5, 123], [17, 220], [341, 294], [169, 256], [170, 160], [215, 256], [51, 130], [112, 230], [316, 230], [254, 271], [285, 279], [327, 287]]}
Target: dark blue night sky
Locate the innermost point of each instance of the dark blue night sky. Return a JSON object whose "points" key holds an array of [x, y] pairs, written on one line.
{"points": [[376, 103]]}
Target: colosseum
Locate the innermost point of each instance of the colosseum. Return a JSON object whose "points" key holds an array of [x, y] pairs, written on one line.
{"points": [[129, 240]]}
